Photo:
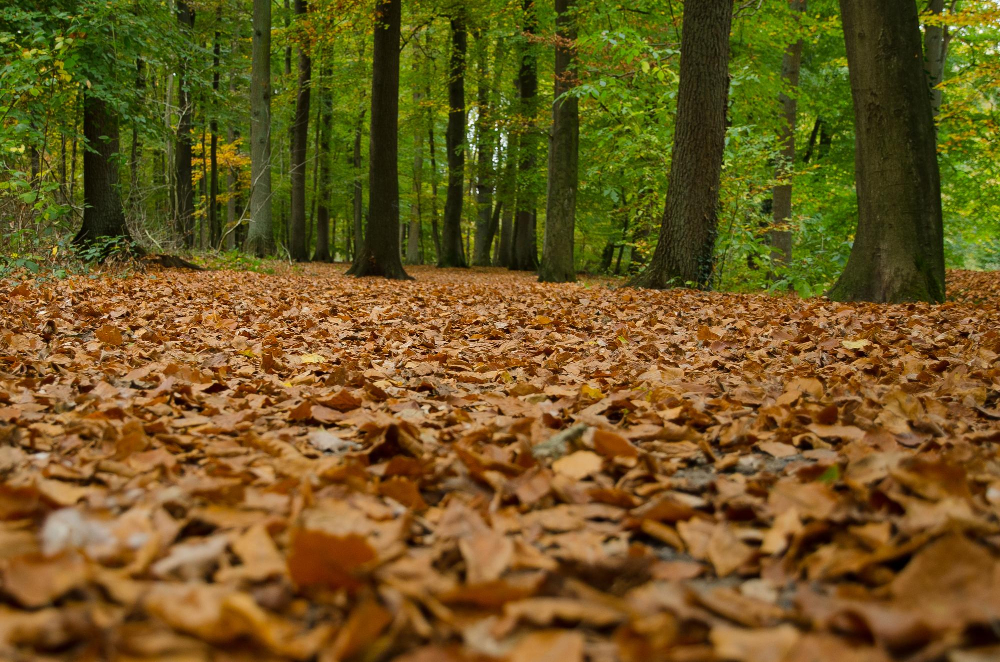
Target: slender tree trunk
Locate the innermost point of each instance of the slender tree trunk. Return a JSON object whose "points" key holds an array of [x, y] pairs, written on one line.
{"points": [[185, 187], [898, 252], [560, 210], [379, 255], [485, 154], [936, 41], [781, 234], [508, 199], [300, 139], [413, 253], [452, 254], [260, 236], [103, 215], [524, 247], [359, 208], [232, 174], [214, 225], [323, 253], [288, 49], [434, 187], [685, 252]]}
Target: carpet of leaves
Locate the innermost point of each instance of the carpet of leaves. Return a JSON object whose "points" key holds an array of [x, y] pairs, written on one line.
{"points": [[473, 466]]}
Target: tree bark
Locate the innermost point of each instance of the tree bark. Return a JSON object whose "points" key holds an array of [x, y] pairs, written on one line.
{"points": [[685, 252], [485, 154], [413, 253], [185, 187], [936, 40], [300, 139], [452, 254], [323, 235], [379, 255], [524, 246], [260, 236], [898, 252], [560, 209], [359, 206], [508, 198], [103, 215], [215, 229], [791, 63]]}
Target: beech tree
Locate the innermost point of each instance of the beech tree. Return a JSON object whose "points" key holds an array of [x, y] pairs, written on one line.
{"points": [[685, 252], [379, 254], [523, 247], [560, 211], [452, 254], [300, 138], [898, 252], [260, 237], [185, 187]]}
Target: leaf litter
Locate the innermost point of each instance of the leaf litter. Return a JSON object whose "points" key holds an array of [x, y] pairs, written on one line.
{"points": [[473, 466]]}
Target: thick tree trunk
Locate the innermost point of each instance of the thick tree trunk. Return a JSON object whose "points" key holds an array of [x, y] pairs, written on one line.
{"points": [[485, 154], [323, 235], [379, 255], [185, 187], [524, 246], [781, 234], [898, 252], [452, 254], [560, 209], [103, 215], [685, 252], [300, 139], [215, 229], [413, 253], [260, 236]]}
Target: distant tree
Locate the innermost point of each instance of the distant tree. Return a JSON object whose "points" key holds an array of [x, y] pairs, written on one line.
{"points": [[300, 139], [323, 233], [898, 252], [185, 186], [260, 236], [685, 252], [379, 254], [414, 254], [560, 211], [524, 248], [452, 254], [487, 219]]}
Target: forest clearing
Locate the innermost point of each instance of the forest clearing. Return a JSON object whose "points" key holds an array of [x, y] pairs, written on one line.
{"points": [[476, 466]]}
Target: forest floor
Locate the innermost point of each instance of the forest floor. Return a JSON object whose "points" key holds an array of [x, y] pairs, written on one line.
{"points": [[474, 466]]}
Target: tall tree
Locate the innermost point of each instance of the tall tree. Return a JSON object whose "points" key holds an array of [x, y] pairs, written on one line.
{"points": [[103, 215], [898, 252], [560, 209], [185, 186], [486, 152], [452, 254], [260, 236], [323, 251], [781, 208], [300, 139], [215, 230], [379, 255], [358, 188], [937, 38], [413, 252], [686, 247], [524, 248]]}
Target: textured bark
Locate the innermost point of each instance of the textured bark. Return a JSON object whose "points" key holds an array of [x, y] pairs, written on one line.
{"points": [[936, 41], [685, 251], [379, 255], [297, 247], [260, 236], [215, 229], [898, 252], [324, 253], [524, 246], [413, 253], [560, 209], [452, 254], [103, 215], [185, 188], [781, 234], [486, 152]]}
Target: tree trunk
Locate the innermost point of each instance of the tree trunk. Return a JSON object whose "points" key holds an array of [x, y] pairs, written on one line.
{"points": [[379, 255], [508, 198], [359, 207], [413, 238], [136, 150], [936, 40], [781, 234], [685, 252], [435, 235], [300, 139], [215, 229], [560, 209], [452, 254], [103, 215], [898, 252], [232, 175], [260, 236], [323, 234], [185, 187], [524, 246], [485, 153]]}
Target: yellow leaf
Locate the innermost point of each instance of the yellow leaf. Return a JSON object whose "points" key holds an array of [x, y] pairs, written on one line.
{"points": [[856, 344], [313, 358]]}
